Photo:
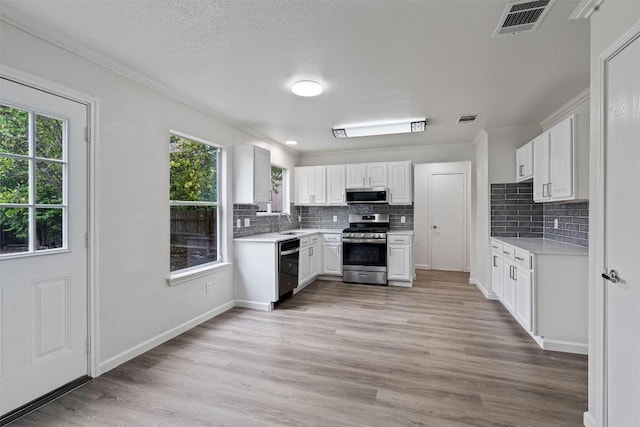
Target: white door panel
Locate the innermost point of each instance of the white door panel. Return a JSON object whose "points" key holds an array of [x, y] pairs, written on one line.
{"points": [[447, 206], [622, 237], [43, 282]]}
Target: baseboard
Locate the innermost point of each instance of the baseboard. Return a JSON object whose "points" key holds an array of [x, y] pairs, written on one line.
{"points": [[255, 305], [423, 267], [588, 420], [399, 284], [487, 294], [329, 278], [147, 345], [565, 346]]}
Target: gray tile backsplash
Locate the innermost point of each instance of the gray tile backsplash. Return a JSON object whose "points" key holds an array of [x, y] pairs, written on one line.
{"points": [[573, 222], [514, 214], [315, 217]]}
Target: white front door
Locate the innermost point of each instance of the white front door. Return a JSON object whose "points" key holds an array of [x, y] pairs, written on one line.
{"points": [[43, 254], [447, 206], [622, 237]]}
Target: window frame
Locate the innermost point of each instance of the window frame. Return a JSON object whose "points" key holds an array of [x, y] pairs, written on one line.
{"points": [[32, 206], [286, 205], [188, 273]]}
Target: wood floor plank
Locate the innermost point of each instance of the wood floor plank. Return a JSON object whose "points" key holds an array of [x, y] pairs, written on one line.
{"points": [[437, 354]]}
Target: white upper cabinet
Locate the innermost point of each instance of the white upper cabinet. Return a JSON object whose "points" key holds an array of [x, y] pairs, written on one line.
{"points": [[336, 182], [524, 162], [367, 175], [252, 174], [561, 161], [400, 188], [310, 185]]}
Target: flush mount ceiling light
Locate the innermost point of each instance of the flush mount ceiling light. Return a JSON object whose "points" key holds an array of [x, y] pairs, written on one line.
{"points": [[291, 142], [388, 128], [306, 88]]}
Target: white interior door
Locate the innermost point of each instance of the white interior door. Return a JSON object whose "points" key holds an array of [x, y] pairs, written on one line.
{"points": [[447, 207], [622, 237], [43, 254]]}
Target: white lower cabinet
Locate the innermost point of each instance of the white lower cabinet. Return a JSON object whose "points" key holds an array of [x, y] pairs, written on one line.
{"points": [[546, 292], [310, 260], [303, 266], [332, 254], [400, 267], [315, 260]]}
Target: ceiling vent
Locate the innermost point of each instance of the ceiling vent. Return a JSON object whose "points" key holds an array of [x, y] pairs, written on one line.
{"points": [[522, 15], [470, 118]]}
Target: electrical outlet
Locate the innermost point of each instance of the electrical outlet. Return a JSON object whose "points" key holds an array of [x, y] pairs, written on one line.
{"points": [[208, 287], [247, 222], [335, 218], [555, 223], [238, 223], [403, 219]]}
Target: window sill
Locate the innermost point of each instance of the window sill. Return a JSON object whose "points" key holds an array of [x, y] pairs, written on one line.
{"points": [[197, 272]]}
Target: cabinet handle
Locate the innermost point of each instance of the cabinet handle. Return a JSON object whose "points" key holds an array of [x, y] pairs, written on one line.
{"points": [[543, 188], [515, 273], [369, 181], [270, 196], [549, 190], [506, 253], [495, 259], [518, 258], [521, 170], [494, 247]]}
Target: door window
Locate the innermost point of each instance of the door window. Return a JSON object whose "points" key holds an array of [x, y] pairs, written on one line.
{"points": [[33, 179]]}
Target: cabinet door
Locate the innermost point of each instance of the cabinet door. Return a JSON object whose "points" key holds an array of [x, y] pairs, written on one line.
{"points": [[356, 175], [376, 175], [524, 162], [561, 160], [496, 275], [523, 297], [509, 284], [319, 185], [315, 261], [302, 186], [336, 176], [399, 262], [332, 259], [399, 174], [262, 176], [303, 263], [541, 167]]}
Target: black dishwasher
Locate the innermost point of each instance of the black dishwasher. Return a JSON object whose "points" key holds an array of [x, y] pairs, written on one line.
{"points": [[288, 259]]}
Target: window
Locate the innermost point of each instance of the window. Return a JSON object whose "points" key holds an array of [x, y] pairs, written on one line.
{"points": [[194, 202], [33, 180], [278, 202]]}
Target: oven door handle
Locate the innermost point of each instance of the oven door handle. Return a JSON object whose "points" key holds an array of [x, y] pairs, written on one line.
{"points": [[376, 241], [292, 251]]}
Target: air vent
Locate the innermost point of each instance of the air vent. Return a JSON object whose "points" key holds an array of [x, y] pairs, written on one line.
{"points": [[522, 15], [470, 118]]}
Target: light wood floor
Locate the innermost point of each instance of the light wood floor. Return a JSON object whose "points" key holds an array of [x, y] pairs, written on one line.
{"points": [[437, 354]]}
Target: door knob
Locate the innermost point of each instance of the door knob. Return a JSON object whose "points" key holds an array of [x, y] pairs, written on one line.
{"points": [[613, 276], [434, 226]]}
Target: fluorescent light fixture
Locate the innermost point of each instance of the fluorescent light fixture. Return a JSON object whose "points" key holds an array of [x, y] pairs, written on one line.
{"points": [[291, 142], [306, 88], [388, 128]]}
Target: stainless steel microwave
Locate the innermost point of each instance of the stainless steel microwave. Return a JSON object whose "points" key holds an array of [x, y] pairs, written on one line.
{"points": [[368, 195]]}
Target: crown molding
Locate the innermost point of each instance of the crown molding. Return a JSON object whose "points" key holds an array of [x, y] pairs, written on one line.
{"points": [[511, 128], [585, 9], [109, 64], [565, 110]]}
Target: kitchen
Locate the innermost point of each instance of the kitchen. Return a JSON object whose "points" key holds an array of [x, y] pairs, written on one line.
{"points": [[136, 302]]}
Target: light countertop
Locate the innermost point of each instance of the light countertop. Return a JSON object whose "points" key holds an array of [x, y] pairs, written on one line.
{"points": [[544, 246], [279, 237], [400, 232]]}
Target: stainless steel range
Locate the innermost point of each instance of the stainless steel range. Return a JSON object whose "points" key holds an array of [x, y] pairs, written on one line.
{"points": [[364, 245]]}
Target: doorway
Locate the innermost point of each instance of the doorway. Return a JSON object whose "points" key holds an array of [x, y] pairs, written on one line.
{"points": [[43, 244]]}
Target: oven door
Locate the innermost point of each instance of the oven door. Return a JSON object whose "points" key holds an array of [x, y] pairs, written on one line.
{"points": [[364, 252]]}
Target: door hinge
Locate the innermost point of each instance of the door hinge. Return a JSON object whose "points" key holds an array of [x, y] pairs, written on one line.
{"points": [[88, 240], [87, 134]]}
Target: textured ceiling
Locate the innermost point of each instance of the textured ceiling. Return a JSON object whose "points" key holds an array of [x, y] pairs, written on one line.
{"points": [[379, 60]]}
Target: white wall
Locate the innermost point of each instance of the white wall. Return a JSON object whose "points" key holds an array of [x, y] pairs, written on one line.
{"points": [[437, 153], [137, 308], [609, 23], [480, 231]]}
